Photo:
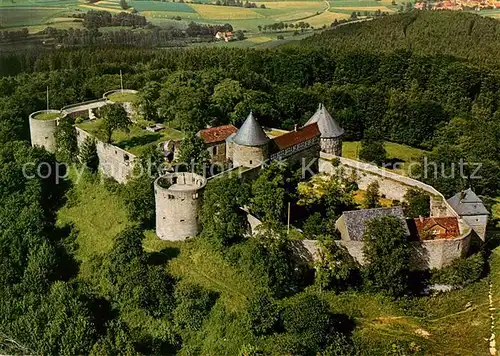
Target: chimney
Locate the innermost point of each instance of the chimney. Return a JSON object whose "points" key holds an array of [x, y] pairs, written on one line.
{"points": [[462, 195]]}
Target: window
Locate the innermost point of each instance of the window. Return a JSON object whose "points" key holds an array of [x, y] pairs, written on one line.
{"points": [[174, 180], [126, 157], [170, 196], [250, 162], [183, 220], [214, 150]]}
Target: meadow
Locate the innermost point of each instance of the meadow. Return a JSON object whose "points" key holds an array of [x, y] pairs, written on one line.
{"points": [[395, 152]]}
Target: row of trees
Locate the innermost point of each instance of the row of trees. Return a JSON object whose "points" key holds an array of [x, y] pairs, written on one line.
{"points": [[97, 18], [239, 3], [283, 26]]}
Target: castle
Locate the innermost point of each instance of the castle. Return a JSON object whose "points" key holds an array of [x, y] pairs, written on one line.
{"points": [[440, 238]]}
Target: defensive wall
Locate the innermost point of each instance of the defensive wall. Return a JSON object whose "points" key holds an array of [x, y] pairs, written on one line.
{"points": [[392, 186], [113, 161], [83, 108], [178, 199], [42, 132], [426, 254]]}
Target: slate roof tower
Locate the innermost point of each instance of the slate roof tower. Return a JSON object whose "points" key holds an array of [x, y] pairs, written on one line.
{"points": [[250, 144], [470, 208], [331, 132]]}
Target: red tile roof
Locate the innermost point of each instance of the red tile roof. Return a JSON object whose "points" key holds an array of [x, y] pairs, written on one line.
{"points": [[437, 228], [217, 134], [295, 137]]}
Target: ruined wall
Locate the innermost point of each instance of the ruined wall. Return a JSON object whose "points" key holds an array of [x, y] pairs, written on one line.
{"points": [[177, 207], [425, 254], [217, 152], [392, 185], [42, 132], [113, 161]]}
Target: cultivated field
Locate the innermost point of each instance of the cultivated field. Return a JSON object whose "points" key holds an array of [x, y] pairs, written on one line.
{"points": [[37, 14]]}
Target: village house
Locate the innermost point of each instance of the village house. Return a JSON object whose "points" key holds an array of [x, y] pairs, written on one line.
{"points": [[224, 36]]}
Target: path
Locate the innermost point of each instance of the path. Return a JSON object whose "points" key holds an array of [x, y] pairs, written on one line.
{"points": [[492, 344]]}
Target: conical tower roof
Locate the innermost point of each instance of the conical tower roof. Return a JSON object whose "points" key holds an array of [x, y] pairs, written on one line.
{"points": [[328, 127], [250, 133]]}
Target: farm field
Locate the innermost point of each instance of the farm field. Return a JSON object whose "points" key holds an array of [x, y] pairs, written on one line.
{"points": [[38, 14]]}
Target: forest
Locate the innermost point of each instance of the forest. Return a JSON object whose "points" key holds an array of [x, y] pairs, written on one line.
{"points": [[443, 99]]}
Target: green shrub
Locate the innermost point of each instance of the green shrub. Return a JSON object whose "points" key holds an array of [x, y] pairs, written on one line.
{"points": [[373, 151], [461, 272]]}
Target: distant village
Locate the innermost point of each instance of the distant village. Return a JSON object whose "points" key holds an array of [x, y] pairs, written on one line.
{"points": [[457, 5]]}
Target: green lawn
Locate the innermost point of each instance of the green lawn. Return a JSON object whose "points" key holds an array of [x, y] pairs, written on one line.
{"points": [[119, 97], [135, 141], [98, 215], [46, 116], [395, 151]]}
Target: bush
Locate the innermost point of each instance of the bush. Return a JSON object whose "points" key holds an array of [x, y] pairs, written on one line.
{"points": [[461, 272], [262, 313], [315, 225], [373, 151], [193, 305], [416, 203]]}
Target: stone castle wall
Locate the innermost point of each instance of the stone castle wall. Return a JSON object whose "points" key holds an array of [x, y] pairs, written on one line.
{"points": [[426, 254], [114, 162], [42, 132], [177, 209], [392, 185], [82, 109]]}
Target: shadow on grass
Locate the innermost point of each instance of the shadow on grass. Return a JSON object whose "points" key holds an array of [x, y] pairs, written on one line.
{"points": [[162, 257], [393, 163]]}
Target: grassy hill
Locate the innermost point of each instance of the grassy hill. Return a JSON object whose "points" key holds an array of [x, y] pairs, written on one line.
{"points": [[437, 325], [456, 34]]}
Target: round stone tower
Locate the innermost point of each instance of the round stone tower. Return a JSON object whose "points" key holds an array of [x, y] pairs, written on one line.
{"points": [[250, 146], [331, 132], [43, 126], [178, 201]]}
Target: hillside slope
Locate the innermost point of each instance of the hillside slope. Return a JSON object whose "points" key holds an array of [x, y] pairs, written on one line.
{"points": [[457, 34]]}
